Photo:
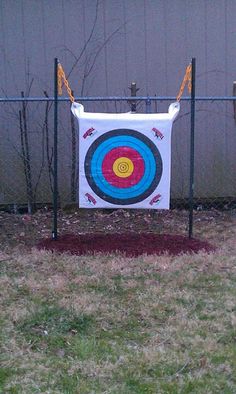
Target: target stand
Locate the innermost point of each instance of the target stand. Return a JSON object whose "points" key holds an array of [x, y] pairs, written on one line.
{"points": [[124, 159]]}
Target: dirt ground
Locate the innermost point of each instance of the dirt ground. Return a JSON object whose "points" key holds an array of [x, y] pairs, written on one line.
{"points": [[90, 226]]}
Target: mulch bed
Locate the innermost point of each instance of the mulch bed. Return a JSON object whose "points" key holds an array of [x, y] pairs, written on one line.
{"points": [[130, 244]]}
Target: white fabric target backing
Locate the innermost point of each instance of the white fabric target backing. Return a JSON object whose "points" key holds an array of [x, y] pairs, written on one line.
{"points": [[124, 159]]}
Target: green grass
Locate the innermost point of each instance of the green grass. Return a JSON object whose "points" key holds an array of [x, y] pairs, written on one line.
{"points": [[110, 324]]}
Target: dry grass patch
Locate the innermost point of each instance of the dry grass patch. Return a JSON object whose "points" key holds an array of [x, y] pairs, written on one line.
{"points": [[110, 324]]}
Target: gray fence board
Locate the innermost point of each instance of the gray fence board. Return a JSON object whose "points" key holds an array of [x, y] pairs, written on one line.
{"points": [[153, 43]]}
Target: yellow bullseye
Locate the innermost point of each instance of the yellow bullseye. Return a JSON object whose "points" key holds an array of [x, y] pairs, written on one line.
{"points": [[123, 167]]}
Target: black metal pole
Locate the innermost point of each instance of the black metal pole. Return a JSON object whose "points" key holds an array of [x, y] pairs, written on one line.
{"points": [[133, 88], [191, 175], [148, 106], [55, 158]]}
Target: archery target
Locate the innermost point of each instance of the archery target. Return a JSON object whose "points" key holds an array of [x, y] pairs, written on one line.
{"points": [[123, 166], [124, 158]]}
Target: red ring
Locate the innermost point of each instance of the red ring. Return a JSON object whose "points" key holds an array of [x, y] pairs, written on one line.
{"points": [[116, 153]]}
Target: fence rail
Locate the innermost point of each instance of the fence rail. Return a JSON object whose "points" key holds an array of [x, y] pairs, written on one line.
{"points": [[115, 98]]}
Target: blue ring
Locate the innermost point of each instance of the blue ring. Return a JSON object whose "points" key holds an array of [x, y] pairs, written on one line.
{"points": [[118, 141]]}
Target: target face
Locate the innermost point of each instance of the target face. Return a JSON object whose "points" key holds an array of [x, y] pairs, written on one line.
{"points": [[123, 166]]}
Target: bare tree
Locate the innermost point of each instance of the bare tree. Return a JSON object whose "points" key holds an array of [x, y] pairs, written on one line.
{"points": [[25, 154], [86, 60], [92, 48]]}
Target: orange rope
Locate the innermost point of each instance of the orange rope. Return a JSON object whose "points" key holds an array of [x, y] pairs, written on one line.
{"points": [[187, 80], [62, 78]]}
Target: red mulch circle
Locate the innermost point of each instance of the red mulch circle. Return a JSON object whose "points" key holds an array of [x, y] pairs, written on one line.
{"points": [[130, 244]]}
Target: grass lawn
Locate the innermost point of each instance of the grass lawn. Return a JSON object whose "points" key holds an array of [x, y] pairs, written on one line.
{"points": [[112, 324]]}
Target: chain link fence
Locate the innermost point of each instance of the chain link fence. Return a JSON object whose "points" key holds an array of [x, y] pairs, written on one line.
{"points": [[26, 151]]}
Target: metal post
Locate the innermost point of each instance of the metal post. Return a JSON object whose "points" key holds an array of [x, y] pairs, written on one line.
{"points": [[191, 177], [148, 106], [234, 102], [133, 103], [55, 159]]}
